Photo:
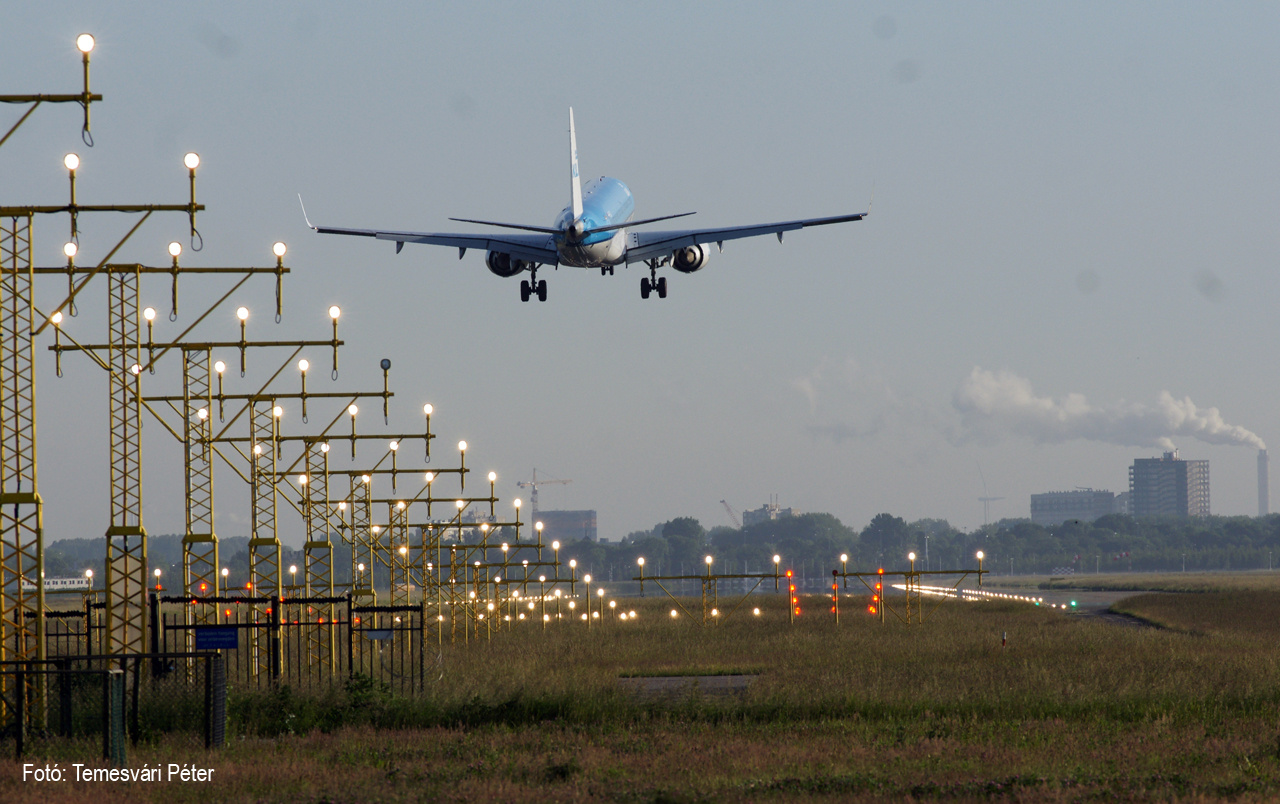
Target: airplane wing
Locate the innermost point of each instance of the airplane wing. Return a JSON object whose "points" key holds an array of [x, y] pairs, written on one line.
{"points": [[540, 248], [647, 244]]}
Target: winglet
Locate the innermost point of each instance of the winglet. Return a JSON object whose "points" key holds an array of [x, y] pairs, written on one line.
{"points": [[575, 182], [304, 212]]}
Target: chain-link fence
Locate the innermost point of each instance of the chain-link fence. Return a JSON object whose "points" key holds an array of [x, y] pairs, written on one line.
{"points": [[116, 701]]}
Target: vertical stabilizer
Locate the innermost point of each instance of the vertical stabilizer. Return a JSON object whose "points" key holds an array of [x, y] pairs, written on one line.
{"points": [[575, 183]]}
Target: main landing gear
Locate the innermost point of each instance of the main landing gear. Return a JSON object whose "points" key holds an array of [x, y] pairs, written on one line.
{"points": [[653, 283], [533, 286]]}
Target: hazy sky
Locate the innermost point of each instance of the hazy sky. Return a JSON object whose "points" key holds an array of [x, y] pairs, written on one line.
{"points": [[1071, 258]]}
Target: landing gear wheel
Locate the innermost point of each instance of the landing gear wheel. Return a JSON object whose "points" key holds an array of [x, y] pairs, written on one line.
{"points": [[662, 288], [524, 290], [542, 290], [644, 287]]}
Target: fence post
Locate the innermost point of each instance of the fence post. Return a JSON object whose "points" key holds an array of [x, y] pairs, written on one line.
{"points": [[351, 623], [113, 731], [275, 639], [64, 697], [20, 709], [88, 626], [215, 702], [133, 710], [157, 664]]}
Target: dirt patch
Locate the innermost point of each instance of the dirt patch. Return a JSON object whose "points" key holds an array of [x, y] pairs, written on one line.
{"points": [[676, 688]]}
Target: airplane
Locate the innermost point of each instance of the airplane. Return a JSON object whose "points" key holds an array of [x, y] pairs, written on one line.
{"points": [[595, 230]]}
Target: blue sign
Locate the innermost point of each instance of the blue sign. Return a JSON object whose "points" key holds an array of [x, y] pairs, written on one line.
{"points": [[217, 637]]}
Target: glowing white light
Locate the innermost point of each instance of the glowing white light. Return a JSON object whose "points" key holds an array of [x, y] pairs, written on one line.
{"points": [[70, 249], [242, 313], [191, 160], [279, 249], [84, 42], [71, 161], [175, 249]]}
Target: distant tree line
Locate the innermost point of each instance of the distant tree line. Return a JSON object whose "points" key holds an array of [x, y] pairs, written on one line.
{"points": [[812, 544]]}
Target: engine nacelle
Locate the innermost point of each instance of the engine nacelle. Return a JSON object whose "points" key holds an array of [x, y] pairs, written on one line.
{"points": [[690, 258], [505, 265]]}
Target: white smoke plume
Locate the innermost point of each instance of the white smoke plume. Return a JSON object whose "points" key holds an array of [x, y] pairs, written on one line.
{"points": [[995, 403]]}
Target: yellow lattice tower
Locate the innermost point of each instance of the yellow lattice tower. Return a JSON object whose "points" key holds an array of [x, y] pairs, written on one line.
{"points": [[318, 554], [362, 538], [397, 550], [264, 541], [21, 509], [126, 537], [200, 541]]}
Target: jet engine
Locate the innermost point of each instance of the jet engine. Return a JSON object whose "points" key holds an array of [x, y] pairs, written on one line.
{"points": [[505, 265], [690, 258]]}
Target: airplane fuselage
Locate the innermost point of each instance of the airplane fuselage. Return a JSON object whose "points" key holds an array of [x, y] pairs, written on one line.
{"points": [[605, 202]]}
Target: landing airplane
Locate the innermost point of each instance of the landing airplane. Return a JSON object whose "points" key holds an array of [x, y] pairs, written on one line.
{"points": [[591, 232]]}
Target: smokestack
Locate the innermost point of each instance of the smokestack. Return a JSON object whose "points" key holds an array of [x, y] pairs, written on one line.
{"points": [[1264, 486]]}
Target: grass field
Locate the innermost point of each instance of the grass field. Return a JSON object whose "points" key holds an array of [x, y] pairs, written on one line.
{"points": [[1069, 709]]}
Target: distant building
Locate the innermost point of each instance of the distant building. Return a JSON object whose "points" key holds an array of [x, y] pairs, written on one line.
{"points": [[568, 526], [1169, 486], [1124, 503], [766, 513], [1056, 507]]}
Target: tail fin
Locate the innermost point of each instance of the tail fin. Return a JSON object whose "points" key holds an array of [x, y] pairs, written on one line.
{"points": [[575, 183]]}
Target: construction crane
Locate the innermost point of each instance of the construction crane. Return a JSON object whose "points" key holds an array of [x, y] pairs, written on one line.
{"points": [[533, 493], [733, 515]]}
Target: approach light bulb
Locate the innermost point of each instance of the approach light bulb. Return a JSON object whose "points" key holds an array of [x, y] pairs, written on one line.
{"points": [[586, 578], [257, 449], [191, 160], [980, 555], [302, 480], [72, 161], [709, 560], [202, 414], [427, 409], [293, 569], [429, 476], [573, 563], [640, 561], [334, 312], [242, 313], [279, 249], [461, 505], [277, 411], [493, 476], [84, 42], [777, 559], [462, 446], [88, 573], [324, 447], [149, 314], [365, 479], [352, 409], [844, 557], [157, 572], [516, 502], [219, 367], [70, 249], [56, 318], [911, 556], [394, 445], [304, 364], [136, 369], [175, 248]]}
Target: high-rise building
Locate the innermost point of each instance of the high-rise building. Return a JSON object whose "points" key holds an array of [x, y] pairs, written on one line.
{"points": [[1056, 507], [1169, 486]]}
